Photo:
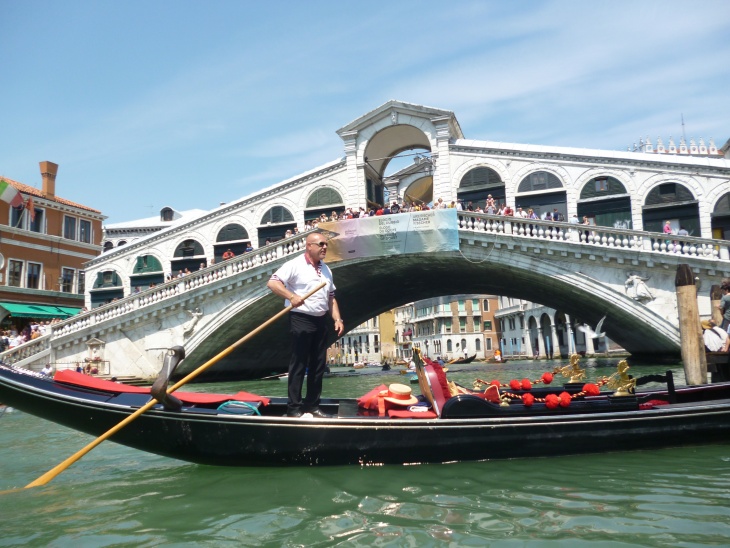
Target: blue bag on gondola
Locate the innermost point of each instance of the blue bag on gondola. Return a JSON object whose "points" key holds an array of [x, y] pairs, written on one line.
{"points": [[240, 408]]}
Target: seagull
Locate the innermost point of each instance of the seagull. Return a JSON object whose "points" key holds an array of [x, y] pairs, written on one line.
{"points": [[593, 334]]}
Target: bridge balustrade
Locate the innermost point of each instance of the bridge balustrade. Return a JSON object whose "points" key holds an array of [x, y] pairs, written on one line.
{"points": [[600, 236], [159, 293], [516, 227]]}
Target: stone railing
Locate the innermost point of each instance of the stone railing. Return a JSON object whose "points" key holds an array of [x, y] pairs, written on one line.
{"points": [[599, 236], [151, 297], [28, 349]]}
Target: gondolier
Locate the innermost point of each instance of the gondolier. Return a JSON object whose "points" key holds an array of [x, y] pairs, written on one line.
{"points": [[308, 322]]}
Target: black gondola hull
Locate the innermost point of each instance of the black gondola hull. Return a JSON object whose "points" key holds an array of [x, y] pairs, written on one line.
{"points": [[208, 437]]}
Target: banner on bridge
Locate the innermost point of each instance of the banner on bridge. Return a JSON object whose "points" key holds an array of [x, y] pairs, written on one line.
{"points": [[387, 235]]}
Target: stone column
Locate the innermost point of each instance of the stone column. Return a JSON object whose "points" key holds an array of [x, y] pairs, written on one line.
{"points": [[540, 343], [528, 342], [571, 335], [590, 349], [442, 187], [355, 184], [555, 342]]}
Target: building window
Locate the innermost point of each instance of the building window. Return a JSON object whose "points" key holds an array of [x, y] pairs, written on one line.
{"points": [[478, 345], [67, 285], [462, 325], [69, 228], [447, 325], [16, 217], [82, 283], [488, 343], [462, 306], [488, 325], [475, 323], [485, 304], [15, 273], [85, 231], [601, 185], [475, 305], [448, 345], [33, 277], [38, 222]]}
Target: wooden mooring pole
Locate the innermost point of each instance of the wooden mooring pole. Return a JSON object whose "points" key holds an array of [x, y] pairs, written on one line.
{"points": [[690, 330]]}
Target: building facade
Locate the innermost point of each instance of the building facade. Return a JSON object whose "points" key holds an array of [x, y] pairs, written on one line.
{"points": [[369, 342], [44, 246], [530, 330], [448, 327]]}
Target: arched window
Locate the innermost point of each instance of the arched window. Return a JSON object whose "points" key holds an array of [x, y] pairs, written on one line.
{"points": [[668, 193], [324, 197], [477, 184], [146, 264], [605, 202], [108, 246], [672, 202], [188, 248], [480, 177], [448, 345], [540, 180], [478, 345], [277, 214], [167, 214], [323, 200], [232, 233], [598, 187]]}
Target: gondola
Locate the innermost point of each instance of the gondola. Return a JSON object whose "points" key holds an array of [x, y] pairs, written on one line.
{"points": [[466, 359], [249, 430]]}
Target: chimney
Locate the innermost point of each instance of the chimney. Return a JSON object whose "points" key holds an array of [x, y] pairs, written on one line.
{"points": [[48, 173]]}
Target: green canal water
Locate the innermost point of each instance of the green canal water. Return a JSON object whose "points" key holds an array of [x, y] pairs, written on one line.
{"points": [[117, 496]]}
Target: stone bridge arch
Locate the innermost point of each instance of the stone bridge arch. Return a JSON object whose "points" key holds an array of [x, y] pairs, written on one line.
{"points": [[367, 287]]}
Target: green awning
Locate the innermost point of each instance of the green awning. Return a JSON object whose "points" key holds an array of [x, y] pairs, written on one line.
{"points": [[39, 311]]}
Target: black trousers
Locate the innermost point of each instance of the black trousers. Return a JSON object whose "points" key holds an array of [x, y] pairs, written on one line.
{"points": [[308, 356]]}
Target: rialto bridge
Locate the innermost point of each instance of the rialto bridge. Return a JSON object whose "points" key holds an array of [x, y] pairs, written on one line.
{"points": [[627, 197], [587, 274]]}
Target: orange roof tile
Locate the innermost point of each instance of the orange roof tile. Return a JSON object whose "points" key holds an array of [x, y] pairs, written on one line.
{"points": [[38, 193]]}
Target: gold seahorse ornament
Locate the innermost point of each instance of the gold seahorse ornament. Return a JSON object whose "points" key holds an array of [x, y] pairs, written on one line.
{"points": [[573, 370], [623, 384]]}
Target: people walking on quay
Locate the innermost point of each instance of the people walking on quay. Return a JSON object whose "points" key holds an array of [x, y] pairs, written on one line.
{"points": [[308, 322]]}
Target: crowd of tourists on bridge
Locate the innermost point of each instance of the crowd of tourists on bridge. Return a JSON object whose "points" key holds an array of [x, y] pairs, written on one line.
{"points": [[15, 336]]}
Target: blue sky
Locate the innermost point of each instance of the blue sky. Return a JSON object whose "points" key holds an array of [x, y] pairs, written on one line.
{"points": [[146, 104]]}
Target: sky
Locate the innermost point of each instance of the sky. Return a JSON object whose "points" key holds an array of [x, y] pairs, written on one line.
{"points": [[188, 104]]}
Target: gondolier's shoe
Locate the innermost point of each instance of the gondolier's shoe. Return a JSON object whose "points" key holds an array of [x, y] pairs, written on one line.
{"points": [[294, 413], [319, 414]]}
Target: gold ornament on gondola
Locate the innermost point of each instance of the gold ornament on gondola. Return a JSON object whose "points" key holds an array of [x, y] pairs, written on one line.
{"points": [[573, 371], [621, 381]]}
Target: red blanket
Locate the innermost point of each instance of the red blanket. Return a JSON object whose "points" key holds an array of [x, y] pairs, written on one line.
{"points": [[67, 376]]}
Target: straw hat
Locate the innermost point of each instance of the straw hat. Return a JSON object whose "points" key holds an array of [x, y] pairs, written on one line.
{"points": [[400, 394], [706, 324]]}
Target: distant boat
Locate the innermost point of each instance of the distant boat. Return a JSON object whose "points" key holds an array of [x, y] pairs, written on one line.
{"points": [[463, 360]]}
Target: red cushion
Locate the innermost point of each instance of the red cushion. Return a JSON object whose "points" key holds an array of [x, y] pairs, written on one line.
{"points": [[405, 414], [67, 376]]}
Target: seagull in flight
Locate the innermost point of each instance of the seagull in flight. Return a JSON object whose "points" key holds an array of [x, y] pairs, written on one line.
{"points": [[593, 334]]}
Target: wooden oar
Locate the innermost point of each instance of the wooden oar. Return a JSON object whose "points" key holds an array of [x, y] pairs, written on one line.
{"points": [[48, 476]]}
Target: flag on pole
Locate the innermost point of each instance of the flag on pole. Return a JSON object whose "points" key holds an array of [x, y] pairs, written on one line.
{"points": [[30, 206], [10, 194]]}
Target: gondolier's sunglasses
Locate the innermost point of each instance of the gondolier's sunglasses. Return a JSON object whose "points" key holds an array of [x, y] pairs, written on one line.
{"points": [[320, 244]]}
